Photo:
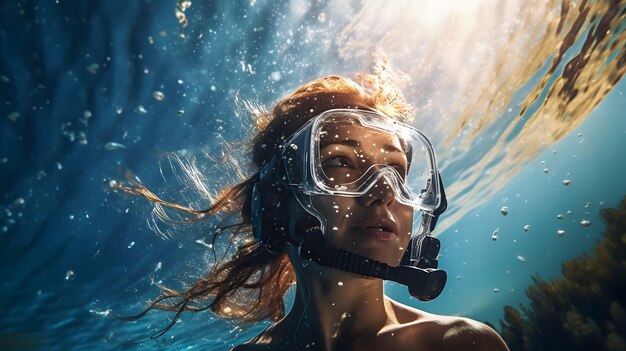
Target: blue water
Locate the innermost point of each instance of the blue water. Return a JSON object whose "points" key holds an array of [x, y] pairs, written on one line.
{"points": [[75, 76]]}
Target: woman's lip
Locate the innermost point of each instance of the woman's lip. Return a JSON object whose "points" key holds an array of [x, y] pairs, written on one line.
{"points": [[383, 222], [377, 233]]}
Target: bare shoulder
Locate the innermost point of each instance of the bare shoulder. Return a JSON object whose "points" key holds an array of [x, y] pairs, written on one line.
{"points": [[437, 332], [467, 334]]}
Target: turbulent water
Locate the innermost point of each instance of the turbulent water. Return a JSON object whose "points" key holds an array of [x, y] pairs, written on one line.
{"points": [[522, 99]]}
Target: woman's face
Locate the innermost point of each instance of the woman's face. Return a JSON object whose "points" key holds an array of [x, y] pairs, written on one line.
{"points": [[375, 224]]}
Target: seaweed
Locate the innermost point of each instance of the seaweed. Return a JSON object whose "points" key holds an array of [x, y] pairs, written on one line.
{"points": [[583, 310]]}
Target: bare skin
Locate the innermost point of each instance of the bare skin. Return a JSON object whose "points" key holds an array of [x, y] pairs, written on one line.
{"points": [[335, 310], [358, 316]]}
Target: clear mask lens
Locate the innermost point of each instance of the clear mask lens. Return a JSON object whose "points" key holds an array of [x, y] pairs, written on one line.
{"points": [[353, 154], [346, 152]]}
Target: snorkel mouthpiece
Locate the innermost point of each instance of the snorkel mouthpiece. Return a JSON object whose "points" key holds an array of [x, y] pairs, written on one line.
{"points": [[424, 284]]}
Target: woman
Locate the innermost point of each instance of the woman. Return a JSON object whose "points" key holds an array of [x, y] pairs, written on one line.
{"points": [[337, 175]]}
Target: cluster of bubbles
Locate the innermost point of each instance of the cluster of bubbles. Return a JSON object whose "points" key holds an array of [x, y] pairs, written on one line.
{"points": [[560, 232], [77, 131], [10, 213], [504, 211]]}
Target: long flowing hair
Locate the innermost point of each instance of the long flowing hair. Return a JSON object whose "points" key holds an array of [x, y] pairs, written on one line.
{"points": [[250, 286]]}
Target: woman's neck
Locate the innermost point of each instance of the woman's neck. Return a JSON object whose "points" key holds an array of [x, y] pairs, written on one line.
{"points": [[332, 309]]}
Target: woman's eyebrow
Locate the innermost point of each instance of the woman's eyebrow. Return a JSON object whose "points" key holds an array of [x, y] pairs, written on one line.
{"points": [[354, 143], [347, 142]]}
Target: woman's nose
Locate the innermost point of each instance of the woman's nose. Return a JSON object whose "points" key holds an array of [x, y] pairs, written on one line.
{"points": [[380, 193]]}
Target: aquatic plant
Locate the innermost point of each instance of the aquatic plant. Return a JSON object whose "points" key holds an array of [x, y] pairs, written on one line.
{"points": [[583, 310]]}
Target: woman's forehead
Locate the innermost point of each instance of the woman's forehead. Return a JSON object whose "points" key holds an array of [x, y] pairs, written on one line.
{"points": [[353, 133]]}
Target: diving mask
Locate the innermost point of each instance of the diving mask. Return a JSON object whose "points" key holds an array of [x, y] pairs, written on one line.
{"points": [[345, 152]]}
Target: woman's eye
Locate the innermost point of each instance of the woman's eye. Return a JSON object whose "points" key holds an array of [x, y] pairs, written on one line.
{"points": [[337, 161]]}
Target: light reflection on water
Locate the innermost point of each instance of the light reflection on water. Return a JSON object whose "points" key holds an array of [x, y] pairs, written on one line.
{"points": [[90, 89], [496, 83]]}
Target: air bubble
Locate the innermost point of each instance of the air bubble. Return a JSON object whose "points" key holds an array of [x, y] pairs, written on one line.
{"points": [[567, 182], [204, 243], [142, 110], [494, 235], [585, 223], [504, 210], [527, 227], [69, 275], [112, 146], [276, 76], [92, 68], [560, 232], [104, 313]]}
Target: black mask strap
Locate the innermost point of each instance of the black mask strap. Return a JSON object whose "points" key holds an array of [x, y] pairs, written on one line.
{"points": [[423, 284]]}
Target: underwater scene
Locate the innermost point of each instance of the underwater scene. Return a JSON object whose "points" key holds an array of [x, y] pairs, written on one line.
{"points": [[523, 101]]}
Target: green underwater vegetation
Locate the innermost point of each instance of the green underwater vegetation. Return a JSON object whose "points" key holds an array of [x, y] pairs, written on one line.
{"points": [[583, 310]]}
